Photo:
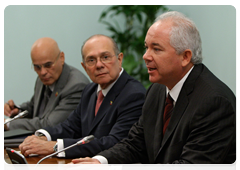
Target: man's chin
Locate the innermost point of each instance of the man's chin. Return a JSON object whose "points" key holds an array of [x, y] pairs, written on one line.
{"points": [[153, 79], [47, 83]]}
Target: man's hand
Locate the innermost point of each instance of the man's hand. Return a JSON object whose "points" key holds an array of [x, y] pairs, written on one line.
{"points": [[85, 164], [9, 109], [36, 145]]}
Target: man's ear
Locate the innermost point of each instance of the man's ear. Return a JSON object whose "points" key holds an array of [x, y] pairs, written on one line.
{"points": [[120, 59], [187, 56], [62, 57], [83, 65]]}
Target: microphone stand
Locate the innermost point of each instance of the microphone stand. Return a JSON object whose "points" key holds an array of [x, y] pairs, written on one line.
{"points": [[83, 141]]}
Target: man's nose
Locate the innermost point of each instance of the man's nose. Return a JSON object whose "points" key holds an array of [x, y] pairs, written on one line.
{"points": [[43, 70], [99, 63], [147, 56]]}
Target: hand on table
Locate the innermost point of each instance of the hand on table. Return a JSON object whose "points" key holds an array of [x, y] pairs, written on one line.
{"points": [[85, 164], [36, 145]]}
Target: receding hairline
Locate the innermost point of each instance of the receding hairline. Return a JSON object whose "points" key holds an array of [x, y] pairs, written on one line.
{"points": [[114, 45], [45, 43]]}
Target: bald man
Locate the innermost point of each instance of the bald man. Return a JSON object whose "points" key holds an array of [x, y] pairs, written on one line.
{"points": [[57, 90]]}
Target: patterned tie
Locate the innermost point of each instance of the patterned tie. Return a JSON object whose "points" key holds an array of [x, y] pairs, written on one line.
{"points": [[167, 112], [99, 101]]}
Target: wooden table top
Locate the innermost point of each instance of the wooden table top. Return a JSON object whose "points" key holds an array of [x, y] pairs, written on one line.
{"points": [[35, 159]]}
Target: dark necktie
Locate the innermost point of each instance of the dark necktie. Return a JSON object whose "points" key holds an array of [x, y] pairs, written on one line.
{"points": [[99, 101], [45, 98], [167, 112]]}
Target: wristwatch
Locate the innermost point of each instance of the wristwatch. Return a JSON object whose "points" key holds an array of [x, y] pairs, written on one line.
{"points": [[40, 134], [55, 148]]}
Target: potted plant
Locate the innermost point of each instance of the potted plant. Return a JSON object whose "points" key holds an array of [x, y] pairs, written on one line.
{"points": [[130, 36]]}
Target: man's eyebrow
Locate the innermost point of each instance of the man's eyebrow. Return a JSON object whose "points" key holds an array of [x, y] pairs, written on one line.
{"points": [[153, 44], [105, 52], [102, 53], [156, 44]]}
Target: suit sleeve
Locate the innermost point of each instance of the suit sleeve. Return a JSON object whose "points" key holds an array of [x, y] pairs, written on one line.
{"points": [[128, 113], [69, 100], [129, 150], [210, 136], [29, 107]]}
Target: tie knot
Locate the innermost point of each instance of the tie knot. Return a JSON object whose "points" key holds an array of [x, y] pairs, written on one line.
{"points": [[169, 99], [47, 91], [99, 101], [100, 95]]}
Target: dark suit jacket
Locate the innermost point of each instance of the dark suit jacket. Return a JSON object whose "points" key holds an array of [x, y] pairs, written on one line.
{"points": [[201, 129], [120, 109], [63, 100]]}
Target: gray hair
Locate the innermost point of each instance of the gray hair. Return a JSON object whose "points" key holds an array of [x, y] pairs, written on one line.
{"points": [[115, 47], [184, 35]]}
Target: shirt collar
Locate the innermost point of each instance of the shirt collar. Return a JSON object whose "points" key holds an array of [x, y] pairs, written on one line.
{"points": [[174, 93], [105, 91], [51, 87]]}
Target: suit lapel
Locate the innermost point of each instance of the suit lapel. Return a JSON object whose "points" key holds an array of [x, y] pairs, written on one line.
{"points": [[60, 84], [159, 119], [37, 97], [103, 110], [181, 104], [109, 99]]}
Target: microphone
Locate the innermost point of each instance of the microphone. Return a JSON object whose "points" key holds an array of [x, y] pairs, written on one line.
{"points": [[85, 140], [22, 114]]}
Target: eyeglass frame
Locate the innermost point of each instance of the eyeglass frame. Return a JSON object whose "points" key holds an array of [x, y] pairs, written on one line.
{"points": [[45, 65], [96, 59]]}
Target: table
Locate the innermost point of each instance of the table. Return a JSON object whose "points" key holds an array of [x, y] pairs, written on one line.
{"points": [[35, 159]]}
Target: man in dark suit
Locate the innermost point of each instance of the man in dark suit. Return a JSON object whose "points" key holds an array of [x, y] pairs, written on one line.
{"points": [[197, 123], [63, 82], [121, 107]]}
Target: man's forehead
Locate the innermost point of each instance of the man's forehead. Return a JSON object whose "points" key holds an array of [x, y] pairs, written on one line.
{"points": [[158, 31], [97, 47]]}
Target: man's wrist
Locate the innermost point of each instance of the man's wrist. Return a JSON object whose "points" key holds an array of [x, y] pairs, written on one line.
{"points": [[55, 148], [44, 132]]}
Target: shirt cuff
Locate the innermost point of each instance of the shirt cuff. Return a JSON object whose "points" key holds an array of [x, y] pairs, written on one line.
{"points": [[101, 159], [104, 161], [60, 147], [45, 133]]}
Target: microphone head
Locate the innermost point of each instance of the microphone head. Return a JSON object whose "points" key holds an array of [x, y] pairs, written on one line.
{"points": [[89, 138], [85, 140], [22, 114], [25, 113]]}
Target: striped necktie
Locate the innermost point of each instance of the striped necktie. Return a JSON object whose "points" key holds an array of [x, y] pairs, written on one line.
{"points": [[167, 112]]}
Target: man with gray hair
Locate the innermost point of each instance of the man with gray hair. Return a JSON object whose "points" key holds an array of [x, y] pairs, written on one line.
{"points": [[189, 115]]}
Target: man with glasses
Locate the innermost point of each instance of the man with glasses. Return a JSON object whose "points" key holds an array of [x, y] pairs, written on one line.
{"points": [[57, 90], [108, 108]]}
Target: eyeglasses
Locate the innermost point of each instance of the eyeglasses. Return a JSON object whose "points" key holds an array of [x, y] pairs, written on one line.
{"points": [[104, 58], [47, 65]]}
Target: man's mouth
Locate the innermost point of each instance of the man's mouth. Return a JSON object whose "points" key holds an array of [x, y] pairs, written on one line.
{"points": [[101, 74], [45, 79], [151, 69]]}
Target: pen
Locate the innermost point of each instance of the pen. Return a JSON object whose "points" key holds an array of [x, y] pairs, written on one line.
{"points": [[16, 106]]}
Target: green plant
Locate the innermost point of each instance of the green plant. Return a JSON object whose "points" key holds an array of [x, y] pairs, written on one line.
{"points": [[130, 35]]}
